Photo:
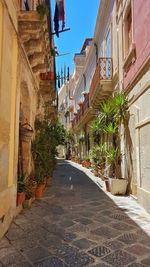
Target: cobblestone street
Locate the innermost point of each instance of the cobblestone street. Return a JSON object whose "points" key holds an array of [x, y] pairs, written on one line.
{"points": [[76, 224]]}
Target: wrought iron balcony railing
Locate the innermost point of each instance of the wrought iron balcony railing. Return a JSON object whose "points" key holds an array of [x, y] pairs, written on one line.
{"points": [[85, 103], [103, 72], [30, 5], [83, 108]]}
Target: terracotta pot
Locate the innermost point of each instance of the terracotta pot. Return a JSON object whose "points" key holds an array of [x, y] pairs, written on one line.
{"points": [[39, 191], [20, 198], [87, 164], [49, 181]]}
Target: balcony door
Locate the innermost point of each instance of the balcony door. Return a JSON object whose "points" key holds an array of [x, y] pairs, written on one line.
{"points": [[108, 52]]}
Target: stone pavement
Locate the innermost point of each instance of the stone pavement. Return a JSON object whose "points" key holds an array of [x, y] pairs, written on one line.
{"points": [[76, 224]]}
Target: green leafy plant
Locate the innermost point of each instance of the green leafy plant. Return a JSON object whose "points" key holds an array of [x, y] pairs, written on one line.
{"points": [[44, 147], [21, 183], [42, 10]]}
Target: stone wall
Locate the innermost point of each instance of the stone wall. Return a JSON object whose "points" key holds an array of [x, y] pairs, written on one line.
{"points": [[8, 74]]}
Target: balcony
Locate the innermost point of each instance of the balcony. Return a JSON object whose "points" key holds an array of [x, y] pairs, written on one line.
{"points": [[47, 90], [84, 114], [85, 103], [34, 35], [101, 85]]}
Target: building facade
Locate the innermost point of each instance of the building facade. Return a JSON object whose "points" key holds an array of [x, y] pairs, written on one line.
{"points": [[134, 57], [118, 61], [26, 86]]}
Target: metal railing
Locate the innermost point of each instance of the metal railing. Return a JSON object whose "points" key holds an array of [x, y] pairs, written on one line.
{"points": [[85, 103], [103, 72], [81, 111], [30, 5]]}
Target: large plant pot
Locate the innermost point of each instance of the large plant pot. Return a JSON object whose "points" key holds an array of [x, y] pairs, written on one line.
{"points": [[20, 198], [107, 185], [118, 186], [49, 181], [39, 191]]}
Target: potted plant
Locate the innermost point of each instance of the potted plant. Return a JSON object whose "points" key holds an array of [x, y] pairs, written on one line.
{"points": [[113, 115], [42, 10], [40, 182], [20, 190], [28, 196]]}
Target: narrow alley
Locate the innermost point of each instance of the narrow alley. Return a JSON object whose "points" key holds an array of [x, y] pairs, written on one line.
{"points": [[76, 224]]}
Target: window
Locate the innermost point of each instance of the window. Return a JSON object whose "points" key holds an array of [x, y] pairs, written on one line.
{"points": [[108, 44], [127, 32]]}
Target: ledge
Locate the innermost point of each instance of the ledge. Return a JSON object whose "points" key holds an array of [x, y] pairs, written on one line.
{"points": [[143, 123], [130, 59]]}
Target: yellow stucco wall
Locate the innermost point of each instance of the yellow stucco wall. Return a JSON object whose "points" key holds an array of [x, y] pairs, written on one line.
{"points": [[8, 77], [13, 114]]}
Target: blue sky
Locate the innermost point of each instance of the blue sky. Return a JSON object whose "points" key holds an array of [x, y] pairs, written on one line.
{"points": [[81, 18]]}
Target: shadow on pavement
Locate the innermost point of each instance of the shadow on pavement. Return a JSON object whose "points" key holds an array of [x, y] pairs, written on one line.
{"points": [[75, 224]]}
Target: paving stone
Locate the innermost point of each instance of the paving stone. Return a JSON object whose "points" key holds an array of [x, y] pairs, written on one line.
{"points": [[79, 228], [101, 219], [25, 244], [66, 223], [68, 237], [99, 251], [105, 232], [88, 214], [95, 203], [129, 238], [15, 233], [101, 265], [4, 243], [146, 261], [84, 221], [122, 226], [64, 249], [78, 259], [51, 262], [114, 244], [145, 242], [22, 264], [83, 243], [6, 251], [13, 258], [119, 258], [136, 264], [57, 228], [36, 254], [54, 229], [119, 216], [51, 241], [106, 213], [137, 249]]}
